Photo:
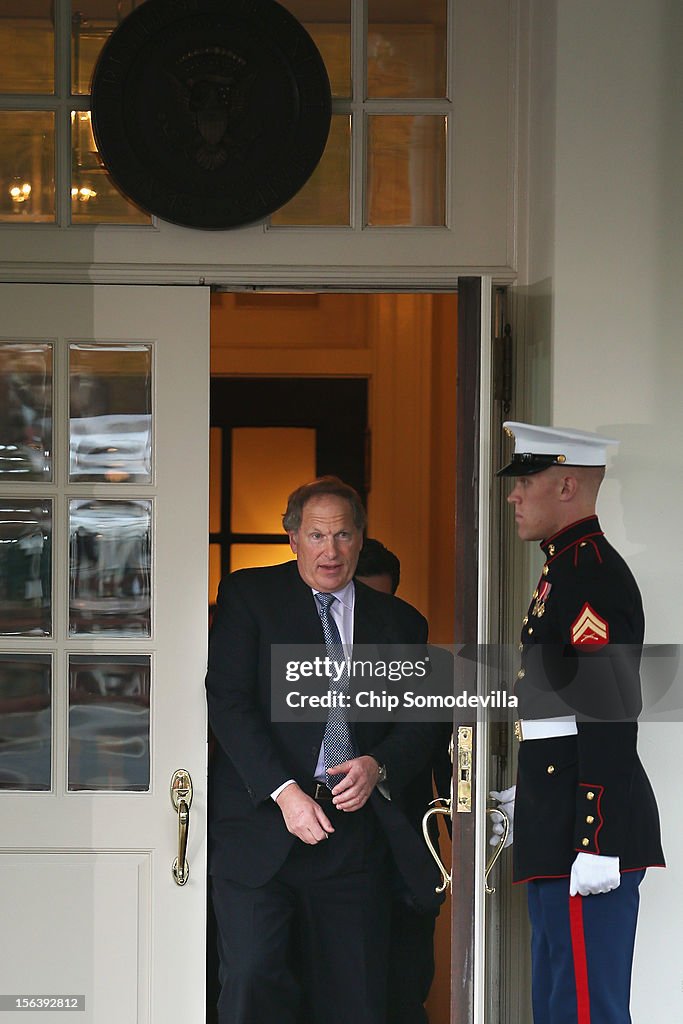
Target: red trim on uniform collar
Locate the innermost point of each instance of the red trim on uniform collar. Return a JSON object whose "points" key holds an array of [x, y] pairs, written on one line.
{"points": [[575, 544], [572, 534]]}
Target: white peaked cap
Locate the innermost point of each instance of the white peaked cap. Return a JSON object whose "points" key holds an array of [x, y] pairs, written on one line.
{"points": [[537, 448]]}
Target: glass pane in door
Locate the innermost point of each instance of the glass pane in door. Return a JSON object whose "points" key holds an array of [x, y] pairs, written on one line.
{"points": [[110, 395], [25, 721], [27, 166], [407, 48], [407, 170], [110, 563], [94, 196], [109, 722], [325, 199], [25, 411], [328, 22], [268, 463], [25, 567], [27, 46], [92, 22], [247, 556]]}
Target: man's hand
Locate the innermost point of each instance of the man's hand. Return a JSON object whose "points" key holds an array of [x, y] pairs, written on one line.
{"points": [[592, 874], [506, 803], [304, 818], [354, 790]]}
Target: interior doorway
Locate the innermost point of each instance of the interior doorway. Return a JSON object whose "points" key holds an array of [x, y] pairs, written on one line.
{"points": [[267, 436], [380, 371]]}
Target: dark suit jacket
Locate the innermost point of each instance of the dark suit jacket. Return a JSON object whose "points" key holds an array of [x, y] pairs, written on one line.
{"points": [[248, 840]]}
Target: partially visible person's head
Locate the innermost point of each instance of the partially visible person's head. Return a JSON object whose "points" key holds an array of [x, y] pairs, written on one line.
{"points": [[557, 474], [325, 520], [378, 567]]}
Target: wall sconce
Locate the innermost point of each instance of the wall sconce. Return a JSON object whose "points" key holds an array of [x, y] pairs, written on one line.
{"points": [[19, 190], [83, 194]]}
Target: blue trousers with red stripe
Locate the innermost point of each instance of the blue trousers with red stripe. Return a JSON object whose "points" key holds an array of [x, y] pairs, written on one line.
{"points": [[582, 951]]}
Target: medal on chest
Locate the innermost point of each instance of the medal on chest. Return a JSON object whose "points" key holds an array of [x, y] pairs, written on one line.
{"points": [[541, 596]]}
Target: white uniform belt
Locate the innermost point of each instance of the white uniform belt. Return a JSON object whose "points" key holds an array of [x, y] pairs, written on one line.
{"points": [[545, 728]]}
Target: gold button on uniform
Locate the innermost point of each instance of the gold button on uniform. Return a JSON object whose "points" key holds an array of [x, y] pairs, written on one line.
{"points": [[545, 570], [550, 769], [585, 842], [535, 594], [589, 819], [521, 674], [531, 629], [551, 549], [525, 620], [590, 795]]}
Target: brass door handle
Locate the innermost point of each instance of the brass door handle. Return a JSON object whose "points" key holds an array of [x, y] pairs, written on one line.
{"points": [[181, 798], [444, 806], [490, 864], [438, 806]]}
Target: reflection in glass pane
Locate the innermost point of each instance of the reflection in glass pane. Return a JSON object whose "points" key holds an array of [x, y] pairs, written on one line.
{"points": [[27, 46], [25, 721], [92, 22], [25, 567], [25, 411], [94, 196], [407, 170], [325, 198], [407, 48], [262, 479], [110, 388], [110, 560], [328, 23], [27, 166], [109, 722]]}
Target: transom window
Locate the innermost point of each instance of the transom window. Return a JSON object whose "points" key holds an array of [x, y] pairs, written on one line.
{"points": [[386, 163]]}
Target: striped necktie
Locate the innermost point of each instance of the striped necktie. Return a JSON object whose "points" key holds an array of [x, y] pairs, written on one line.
{"points": [[337, 742]]}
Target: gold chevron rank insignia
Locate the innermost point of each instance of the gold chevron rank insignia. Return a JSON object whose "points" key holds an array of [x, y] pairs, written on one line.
{"points": [[589, 629]]}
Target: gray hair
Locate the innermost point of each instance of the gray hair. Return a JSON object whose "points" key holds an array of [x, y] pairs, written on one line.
{"points": [[324, 485]]}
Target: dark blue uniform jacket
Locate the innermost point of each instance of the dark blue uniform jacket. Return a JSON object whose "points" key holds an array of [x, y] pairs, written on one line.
{"points": [[581, 647]]}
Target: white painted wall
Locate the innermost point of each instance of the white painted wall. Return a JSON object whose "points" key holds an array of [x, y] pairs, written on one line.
{"points": [[606, 255]]}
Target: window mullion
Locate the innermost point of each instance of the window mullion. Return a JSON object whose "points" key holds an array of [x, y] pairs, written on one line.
{"points": [[63, 112], [398, 105], [359, 88], [450, 119]]}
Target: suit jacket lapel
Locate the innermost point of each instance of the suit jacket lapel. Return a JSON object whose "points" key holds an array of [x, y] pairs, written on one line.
{"points": [[300, 610]]}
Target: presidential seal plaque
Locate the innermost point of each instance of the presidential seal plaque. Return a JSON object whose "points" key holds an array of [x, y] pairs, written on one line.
{"points": [[210, 113]]}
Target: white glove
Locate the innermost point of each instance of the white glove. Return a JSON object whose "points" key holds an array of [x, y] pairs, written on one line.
{"points": [[506, 801], [592, 874]]}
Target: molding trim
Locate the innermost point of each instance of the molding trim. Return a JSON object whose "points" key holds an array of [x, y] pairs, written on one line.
{"points": [[245, 278]]}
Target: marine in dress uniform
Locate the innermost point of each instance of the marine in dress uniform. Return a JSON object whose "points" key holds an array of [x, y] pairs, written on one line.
{"points": [[586, 823]]}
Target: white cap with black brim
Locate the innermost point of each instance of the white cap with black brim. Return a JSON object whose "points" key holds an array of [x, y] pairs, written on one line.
{"points": [[537, 448]]}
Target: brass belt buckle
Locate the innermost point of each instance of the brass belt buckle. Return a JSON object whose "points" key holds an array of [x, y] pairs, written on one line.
{"points": [[518, 730]]}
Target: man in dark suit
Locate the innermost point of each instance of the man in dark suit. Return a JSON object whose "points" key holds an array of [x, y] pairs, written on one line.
{"points": [[301, 830], [411, 948], [586, 824]]}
